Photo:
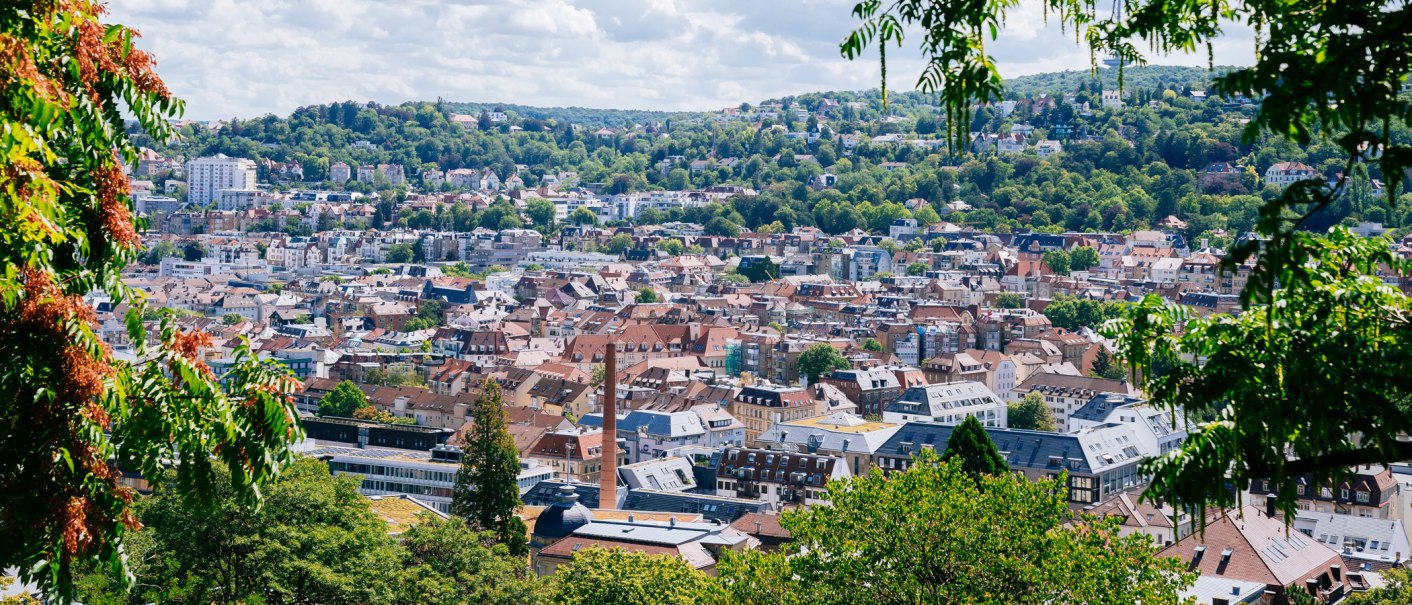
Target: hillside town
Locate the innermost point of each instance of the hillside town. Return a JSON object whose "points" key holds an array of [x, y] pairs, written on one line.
{"points": [[702, 344]]}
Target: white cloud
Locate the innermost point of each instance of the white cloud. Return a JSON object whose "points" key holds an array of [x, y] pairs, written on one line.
{"points": [[250, 57]]}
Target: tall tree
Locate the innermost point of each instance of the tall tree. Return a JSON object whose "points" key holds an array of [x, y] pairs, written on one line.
{"points": [[936, 535], [820, 359], [972, 446], [72, 414], [541, 212], [487, 492], [1083, 259], [1031, 413], [1009, 300]]}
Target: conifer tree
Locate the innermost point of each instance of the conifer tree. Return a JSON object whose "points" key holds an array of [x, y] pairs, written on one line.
{"points": [[487, 492], [977, 452]]}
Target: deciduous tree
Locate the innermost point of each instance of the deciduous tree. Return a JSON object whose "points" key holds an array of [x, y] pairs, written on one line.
{"points": [[936, 535], [1031, 412], [616, 577], [820, 359], [315, 540]]}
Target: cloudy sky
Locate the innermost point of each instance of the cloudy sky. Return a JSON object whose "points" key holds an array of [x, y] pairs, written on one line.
{"points": [[242, 58]]}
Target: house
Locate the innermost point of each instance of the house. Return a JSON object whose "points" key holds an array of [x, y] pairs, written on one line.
{"points": [[1112, 99], [1138, 516], [759, 407], [673, 474], [1248, 546], [574, 455], [870, 389], [778, 478], [1156, 431], [1369, 492], [1048, 147], [648, 434], [1218, 173], [568, 527], [850, 438], [1065, 394], [1365, 543], [1282, 174]]}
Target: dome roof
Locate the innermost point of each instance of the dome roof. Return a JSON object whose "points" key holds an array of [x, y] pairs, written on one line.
{"points": [[564, 517]]}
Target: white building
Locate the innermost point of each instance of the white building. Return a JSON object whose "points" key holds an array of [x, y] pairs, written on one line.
{"points": [[948, 403], [1283, 174], [1112, 99], [207, 177], [1155, 431], [241, 199], [425, 475]]}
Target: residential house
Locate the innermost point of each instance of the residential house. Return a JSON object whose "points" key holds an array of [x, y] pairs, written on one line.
{"points": [[870, 389], [782, 479]]}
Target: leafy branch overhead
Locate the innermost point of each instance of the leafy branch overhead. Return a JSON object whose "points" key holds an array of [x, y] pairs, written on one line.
{"points": [[1311, 376], [1313, 382], [74, 416]]}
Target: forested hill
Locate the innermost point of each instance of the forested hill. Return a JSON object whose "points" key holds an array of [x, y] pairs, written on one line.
{"points": [[1100, 168], [585, 116], [1151, 77], [1156, 77]]}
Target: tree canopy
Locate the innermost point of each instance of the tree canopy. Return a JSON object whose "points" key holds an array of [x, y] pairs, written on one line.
{"points": [[820, 359], [1314, 382], [934, 534], [343, 400], [615, 577], [1031, 413], [314, 541], [1290, 393]]}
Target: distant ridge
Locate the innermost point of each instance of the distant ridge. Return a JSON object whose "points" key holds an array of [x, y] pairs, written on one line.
{"points": [[1134, 78]]}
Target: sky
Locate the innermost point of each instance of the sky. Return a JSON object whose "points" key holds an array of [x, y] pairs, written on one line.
{"points": [[247, 58]]}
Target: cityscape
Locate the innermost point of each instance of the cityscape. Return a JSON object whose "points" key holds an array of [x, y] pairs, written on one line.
{"points": [[1106, 337]]}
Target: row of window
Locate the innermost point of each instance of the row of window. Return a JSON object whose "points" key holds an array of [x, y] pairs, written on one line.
{"points": [[370, 470], [1361, 496]]}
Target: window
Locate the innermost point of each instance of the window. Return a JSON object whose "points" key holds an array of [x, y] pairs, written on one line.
{"points": [[1300, 490], [1363, 496]]}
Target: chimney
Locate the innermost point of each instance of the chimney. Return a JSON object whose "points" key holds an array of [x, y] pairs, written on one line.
{"points": [[608, 475]]}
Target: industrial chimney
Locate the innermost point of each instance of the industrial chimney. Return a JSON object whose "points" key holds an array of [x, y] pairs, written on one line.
{"points": [[608, 476]]}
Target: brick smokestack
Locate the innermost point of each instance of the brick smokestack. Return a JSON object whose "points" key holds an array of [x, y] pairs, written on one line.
{"points": [[608, 476]]}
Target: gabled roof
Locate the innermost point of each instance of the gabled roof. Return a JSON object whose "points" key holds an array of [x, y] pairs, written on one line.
{"points": [[1261, 549]]}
